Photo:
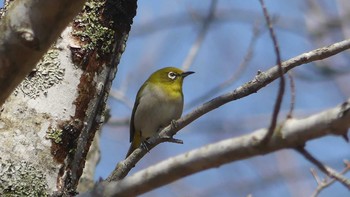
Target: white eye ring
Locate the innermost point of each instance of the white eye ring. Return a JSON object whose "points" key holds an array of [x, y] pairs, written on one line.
{"points": [[172, 75]]}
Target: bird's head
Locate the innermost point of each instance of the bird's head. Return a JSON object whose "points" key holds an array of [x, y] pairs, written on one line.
{"points": [[169, 76]]}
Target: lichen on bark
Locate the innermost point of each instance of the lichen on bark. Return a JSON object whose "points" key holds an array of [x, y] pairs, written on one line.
{"points": [[46, 74], [21, 179]]}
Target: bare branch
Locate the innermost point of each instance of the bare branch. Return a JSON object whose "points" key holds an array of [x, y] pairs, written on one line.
{"points": [[223, 15], [241, 68], [292, 97], [281, 87], [315, 175], [117, 122], [295, 132], [260, 81], [322, 184], [325, 169], [197, 44], [119, 95]]}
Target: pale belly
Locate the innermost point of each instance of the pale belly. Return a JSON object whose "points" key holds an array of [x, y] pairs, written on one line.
{"points": [[154, 113]]}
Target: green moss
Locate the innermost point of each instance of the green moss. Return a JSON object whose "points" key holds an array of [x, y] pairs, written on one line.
{"points": [[21, 179], [55, 135], [90, 29]]}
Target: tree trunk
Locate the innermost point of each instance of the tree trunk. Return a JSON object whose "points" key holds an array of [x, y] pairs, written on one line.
{"points": [[48, 123]]}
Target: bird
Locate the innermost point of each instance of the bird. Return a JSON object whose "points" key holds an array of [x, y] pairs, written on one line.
{"points": [[158, 102]]}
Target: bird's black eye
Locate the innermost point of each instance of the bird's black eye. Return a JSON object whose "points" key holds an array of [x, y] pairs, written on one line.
{"points": [[172, 75]]}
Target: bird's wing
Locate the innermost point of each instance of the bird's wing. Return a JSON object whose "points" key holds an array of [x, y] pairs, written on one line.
{"points": [[136, 104]]}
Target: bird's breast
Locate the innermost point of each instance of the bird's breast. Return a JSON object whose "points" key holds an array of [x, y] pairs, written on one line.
{"points": [[155, 111]]}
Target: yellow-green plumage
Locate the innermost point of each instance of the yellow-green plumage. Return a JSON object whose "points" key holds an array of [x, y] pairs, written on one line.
{"points": [[158, 102]]}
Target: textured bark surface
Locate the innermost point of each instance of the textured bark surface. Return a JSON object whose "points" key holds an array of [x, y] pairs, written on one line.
{"points": [[47, 125], [37, 112], [27, 30]]}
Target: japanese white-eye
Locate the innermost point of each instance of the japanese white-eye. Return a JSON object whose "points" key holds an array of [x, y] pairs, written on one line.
{"points": [[158, 102]]}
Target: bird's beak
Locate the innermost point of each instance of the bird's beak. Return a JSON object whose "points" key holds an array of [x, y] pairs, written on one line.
{"points": [[185, 74]]}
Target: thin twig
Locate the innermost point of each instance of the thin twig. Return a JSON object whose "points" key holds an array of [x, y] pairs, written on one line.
{"points": [[198, 42], [224, 15], [281, 88], [118, 122], [241, 68], [120, 96], [325, 169], [292, 95], [322, 184], [316, 177]]}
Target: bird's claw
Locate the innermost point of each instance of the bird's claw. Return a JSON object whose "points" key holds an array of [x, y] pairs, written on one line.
{"points": [[172, 140], [145, 145], [173, 124]]}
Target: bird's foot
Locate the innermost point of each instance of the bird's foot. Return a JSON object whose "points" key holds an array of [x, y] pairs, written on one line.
{"points": [[172, 140], [145, 145], [173, 124]]}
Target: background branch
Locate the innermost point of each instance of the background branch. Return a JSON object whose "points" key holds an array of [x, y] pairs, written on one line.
{"points": [[260, 81], [281, 86], [322, 184], [294, 132], [201, 35], [292, 96], [238, 72], [325, 169]]}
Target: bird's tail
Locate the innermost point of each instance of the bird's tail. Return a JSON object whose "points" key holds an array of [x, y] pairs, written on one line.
{"points": [[345, 136], [136, 142]]}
